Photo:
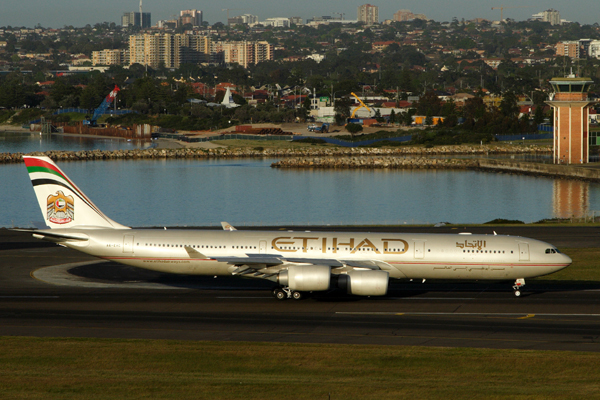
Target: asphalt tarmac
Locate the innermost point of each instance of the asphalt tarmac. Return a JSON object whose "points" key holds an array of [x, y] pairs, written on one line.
{"points": [[50, 291]]}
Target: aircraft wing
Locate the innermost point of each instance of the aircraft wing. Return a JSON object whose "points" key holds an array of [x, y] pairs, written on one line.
{"points": [[257, 263]]}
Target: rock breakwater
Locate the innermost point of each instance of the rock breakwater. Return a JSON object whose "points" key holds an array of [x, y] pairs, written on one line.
{"points": [[311, 152], [375, 163]]}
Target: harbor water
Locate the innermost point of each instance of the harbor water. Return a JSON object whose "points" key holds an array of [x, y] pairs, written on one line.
{"points": [[245, 192]]}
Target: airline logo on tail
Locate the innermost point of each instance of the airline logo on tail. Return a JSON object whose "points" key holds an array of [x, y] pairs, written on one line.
{"points": [[61, 208], [58, 197]]}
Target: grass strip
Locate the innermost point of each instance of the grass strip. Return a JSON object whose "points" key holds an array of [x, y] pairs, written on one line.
{"points": [[41, 368]]}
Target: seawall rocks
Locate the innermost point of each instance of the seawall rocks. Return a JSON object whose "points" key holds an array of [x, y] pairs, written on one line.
{"points": [[375, 163], [283, 153]]}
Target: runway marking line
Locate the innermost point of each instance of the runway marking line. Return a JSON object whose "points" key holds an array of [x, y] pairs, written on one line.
{"points": [[519, 315], [527, 316]]}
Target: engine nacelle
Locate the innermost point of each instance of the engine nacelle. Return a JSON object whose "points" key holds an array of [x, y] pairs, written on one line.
{"points": [[306, 278], [365, 283]]}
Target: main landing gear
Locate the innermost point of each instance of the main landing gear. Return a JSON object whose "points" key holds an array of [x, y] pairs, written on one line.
{"points": [[284, 293], [519, 283]]}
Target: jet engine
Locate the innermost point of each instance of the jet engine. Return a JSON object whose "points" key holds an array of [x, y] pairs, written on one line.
{"points": [[306, 278], [365, 283]]}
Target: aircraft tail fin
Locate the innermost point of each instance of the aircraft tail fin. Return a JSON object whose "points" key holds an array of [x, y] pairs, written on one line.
{"points": [[62, 203]]}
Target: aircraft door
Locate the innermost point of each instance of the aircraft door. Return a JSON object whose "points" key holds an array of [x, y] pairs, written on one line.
{"points": [[262, 247], [419, 249], [523, 252], [128, 244]]}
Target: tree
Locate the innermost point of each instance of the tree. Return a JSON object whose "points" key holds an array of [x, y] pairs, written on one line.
{"points": [[508, 105], [354, 128], [429, 102], [342, 110]]}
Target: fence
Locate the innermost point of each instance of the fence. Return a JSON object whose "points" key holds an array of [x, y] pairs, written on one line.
{"points": [[188, 139], [136, 132], [532, 136], [346, 143]]}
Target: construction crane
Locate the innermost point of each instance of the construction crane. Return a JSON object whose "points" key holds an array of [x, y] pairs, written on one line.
{"points": [[102, 108], [501, 8], [359, 107]]}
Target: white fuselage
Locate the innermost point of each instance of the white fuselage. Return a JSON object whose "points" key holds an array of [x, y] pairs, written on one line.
{"points": [[403, 255]]}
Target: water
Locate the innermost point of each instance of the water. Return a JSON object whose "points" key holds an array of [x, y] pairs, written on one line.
{"points": [[249, 192], [19, 142]]}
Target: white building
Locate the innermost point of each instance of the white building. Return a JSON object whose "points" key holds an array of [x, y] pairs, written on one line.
{"points": [[550, 15], [594, 49], [276, 22]]}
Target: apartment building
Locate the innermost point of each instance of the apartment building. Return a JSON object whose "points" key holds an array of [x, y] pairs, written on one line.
{"points": [[550, 15], [568, 48], [110, 57], [368, 14], [244, 53], [172, 50], [192, 17]]}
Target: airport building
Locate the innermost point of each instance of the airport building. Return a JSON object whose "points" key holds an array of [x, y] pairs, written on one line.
{"points": [[570, 103]]}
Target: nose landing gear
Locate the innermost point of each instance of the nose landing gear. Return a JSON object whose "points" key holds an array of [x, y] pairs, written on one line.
{"points": [[519, 284]]}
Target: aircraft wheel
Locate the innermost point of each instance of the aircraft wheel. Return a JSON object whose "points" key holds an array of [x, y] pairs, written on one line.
{"points": [[517, 293], [297, 295], [280, 294]]}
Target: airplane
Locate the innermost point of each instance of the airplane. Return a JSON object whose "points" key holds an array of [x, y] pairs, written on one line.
{"points": [[299, 262]]}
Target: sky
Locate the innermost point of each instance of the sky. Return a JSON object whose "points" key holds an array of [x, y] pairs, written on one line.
{"points": [[78, 13]]}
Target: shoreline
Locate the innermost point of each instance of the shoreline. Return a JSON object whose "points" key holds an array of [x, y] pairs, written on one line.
{"points": [[319, 152]]}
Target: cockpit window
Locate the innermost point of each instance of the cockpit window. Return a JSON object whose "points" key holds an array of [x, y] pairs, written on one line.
{"points": [[552, 251]]}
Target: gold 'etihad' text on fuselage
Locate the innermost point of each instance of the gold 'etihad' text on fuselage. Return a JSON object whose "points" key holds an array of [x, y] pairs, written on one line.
{"points": [[290, 244]]}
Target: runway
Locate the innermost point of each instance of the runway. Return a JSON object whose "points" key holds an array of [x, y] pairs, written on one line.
{"points": [[80, 297]]}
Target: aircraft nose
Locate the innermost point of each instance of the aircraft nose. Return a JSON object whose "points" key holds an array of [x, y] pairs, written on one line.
{"points": [[566, 259]]}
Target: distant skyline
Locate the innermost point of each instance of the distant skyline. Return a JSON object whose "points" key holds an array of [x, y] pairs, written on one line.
{"points": [[58, 13]]}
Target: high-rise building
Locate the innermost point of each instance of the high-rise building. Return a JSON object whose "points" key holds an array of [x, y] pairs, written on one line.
{"points": [[368, 14], [244, 52], [192, 17], [143, 20], [550, 15], [172, 50]]}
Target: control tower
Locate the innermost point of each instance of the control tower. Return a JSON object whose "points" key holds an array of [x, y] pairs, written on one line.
{"points": [[571, 122]]}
